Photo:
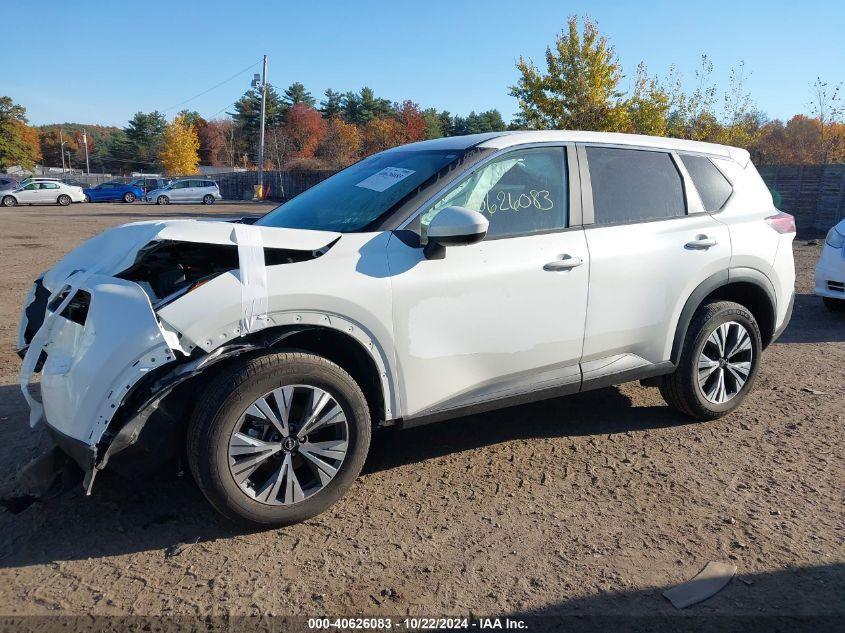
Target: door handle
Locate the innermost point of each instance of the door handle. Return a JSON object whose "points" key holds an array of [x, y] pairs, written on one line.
{"points": [[564, 263], [701, 242]]}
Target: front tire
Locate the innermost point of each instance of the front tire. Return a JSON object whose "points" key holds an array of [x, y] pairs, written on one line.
{"points": [[64, 200], [278, 438], [208, 199], [129, 197], [719, 362], [9, 201], [162, 200], [834, 305]]}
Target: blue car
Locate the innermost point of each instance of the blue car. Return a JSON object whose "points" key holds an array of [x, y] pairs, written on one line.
{"points": [[114, 191]]}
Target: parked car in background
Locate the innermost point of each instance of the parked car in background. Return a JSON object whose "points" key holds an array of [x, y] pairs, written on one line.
{"points": [[114, 191], [186, 190], [830, 271], [43, 192], [8, 183], [147, 183], [435, 279]]}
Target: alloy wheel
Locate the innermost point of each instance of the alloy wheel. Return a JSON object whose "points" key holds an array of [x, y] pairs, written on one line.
{"points": [[288, 445], [724, 363]]}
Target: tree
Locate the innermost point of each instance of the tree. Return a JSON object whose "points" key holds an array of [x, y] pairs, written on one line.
{"points": [[359, 108], [827, 107], [304, 129], [693, 115], [215, 143], [648, 106], [412, 120], [381, 134], [489, 121], [247, 118], [144, 135], [332, 105], [17, 145], [179, 155], [341, 144], [296, 93], [433, 127], [580, 87]]}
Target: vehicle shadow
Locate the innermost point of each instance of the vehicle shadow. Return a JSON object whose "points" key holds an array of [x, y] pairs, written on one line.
{"points": [[158, 512], [812, 322], [601, 412], [794, 599]]}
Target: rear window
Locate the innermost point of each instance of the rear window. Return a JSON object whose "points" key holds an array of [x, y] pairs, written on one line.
{"points": [[713, 188], [632, 185]]}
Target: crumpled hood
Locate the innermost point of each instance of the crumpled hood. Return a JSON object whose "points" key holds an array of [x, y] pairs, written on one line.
{"points": [[115, 249]]}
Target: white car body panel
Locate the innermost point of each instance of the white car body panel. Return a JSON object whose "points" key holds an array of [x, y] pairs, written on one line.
{"points": [[472, 324], [487, 321], [831, 269], [646, 272]]}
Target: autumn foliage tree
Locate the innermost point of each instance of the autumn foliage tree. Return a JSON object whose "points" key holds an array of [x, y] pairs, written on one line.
{"points": [[304, 129], [18, 142], [180, 153], [341, 144]]}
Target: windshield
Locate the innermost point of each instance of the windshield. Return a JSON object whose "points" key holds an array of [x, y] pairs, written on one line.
{"points": [[359, 195]]}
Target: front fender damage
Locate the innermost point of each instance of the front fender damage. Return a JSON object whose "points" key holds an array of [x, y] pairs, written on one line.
{"points": [[107, 361]]}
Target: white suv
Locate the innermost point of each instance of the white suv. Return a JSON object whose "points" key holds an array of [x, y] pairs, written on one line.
{"points": [[429, 281]]}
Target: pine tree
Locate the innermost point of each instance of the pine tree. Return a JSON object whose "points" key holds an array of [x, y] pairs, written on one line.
{"points": [[296, 93]]}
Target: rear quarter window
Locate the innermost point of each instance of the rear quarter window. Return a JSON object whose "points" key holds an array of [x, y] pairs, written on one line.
{"points": [[713, 188]]}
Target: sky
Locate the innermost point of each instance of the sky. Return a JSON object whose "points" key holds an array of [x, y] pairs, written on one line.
{"points": [[99, 62]]}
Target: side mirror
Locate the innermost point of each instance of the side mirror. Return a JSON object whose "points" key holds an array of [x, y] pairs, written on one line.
{"points": [[454, 226]]}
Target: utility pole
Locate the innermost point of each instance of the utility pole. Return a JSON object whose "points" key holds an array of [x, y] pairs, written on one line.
{"points": [[85, 141], [261, 137], [62, 150]]}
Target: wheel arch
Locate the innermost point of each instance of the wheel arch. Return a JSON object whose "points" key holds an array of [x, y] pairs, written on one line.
{"points": [[748, 287]]}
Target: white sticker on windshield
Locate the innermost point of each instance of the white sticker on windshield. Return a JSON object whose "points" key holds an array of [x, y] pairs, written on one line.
{"points": [[385, 178]]}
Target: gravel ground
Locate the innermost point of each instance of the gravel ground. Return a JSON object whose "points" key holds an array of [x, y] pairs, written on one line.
{"points": [[591, 504]]}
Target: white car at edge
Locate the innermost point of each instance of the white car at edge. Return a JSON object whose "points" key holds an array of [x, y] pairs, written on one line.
{"points": [[830, 271], [422, 283], [42, 191]]}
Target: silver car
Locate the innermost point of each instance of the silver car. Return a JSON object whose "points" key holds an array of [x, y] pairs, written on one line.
{"points": [[186, 190]]}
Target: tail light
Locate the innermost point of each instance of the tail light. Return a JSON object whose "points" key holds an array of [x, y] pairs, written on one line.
{"points": [[781, 222]]}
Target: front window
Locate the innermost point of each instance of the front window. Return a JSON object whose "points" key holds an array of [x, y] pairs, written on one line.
{"points": [[520, 193], [361, 194]]}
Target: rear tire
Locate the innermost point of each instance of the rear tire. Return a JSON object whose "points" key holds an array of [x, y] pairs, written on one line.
{"points": [[64, 200], [834, 305], [9, 201], [208, 199], [129, 197], [221, 418], [694, 388]]}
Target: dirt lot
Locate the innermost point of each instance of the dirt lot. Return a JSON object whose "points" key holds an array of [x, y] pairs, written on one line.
{"points": [[587, 504]]}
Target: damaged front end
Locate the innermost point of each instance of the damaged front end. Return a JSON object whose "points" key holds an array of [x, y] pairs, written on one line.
{"points": [[107, 361]]}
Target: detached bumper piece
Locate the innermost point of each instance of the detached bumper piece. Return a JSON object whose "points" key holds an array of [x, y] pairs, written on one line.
{"points": [[104, 341]]}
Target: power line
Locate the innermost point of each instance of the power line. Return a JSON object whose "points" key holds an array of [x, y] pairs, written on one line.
{"points": [[237, 74]]}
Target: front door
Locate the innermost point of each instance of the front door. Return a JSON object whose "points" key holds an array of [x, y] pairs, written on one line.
{"points": [[502, 317]]}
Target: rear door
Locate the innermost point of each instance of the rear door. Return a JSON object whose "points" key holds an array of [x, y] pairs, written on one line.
{"points": [[48, 192], [651, 243]]}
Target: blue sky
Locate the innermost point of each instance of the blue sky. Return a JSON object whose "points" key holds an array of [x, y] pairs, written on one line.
{"points": [[93, 62]]}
